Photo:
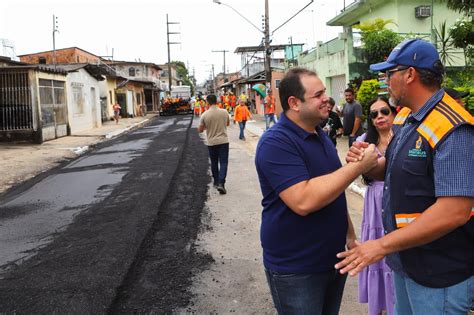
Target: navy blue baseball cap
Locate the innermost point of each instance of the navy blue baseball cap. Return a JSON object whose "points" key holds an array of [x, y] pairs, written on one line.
{"points": [[415, 53]]}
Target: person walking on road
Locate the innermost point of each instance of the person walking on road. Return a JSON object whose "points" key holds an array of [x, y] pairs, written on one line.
{"points": [[376, 281], [116, 108], [352, 114], [428, 195], [241, 115], [269, 109], [215, 122], [305, 221]]}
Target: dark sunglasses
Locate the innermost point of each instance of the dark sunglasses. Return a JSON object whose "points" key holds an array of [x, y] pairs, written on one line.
{"points": [[389, 73], [384, 111]]}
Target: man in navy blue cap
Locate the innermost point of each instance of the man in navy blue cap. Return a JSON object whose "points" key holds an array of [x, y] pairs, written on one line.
{"points": [[429, 191]]}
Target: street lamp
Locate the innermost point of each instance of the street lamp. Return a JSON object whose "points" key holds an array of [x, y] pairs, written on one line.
{"points": [[266, 34], [266, 38], [219, 2], [55, 29]]}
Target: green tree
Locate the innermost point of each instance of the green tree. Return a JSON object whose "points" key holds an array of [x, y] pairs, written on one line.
{"points": [[462, 34], [373, 25], [368, 90], [444, 44], [377, 41], [461, 5], [183, 73]]}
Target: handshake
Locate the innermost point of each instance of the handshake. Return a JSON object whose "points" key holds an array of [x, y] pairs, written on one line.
{"points": [[365, 154]]}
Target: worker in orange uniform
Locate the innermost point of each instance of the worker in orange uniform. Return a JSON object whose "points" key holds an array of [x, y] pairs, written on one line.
{"points": [[269, 110], [232, 101], [241, 115]]}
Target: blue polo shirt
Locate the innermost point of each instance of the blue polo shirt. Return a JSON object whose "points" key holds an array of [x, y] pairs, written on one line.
{"points": [[286, 155]]}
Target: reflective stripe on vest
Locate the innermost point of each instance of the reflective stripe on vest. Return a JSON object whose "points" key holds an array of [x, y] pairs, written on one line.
{"points": [[403, 219], [402, 116], [441, 120]]}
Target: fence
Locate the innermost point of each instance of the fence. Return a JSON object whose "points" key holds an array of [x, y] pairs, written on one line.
{"points": [[16, 110]]}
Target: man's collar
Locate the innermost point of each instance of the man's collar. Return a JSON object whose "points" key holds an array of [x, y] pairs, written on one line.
{"points": [[287, 123], [428, 106]]}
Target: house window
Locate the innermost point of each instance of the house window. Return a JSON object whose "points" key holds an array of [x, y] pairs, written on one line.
{"points": [[77, 58], [277, 83], [131, 72], [110, 97], [52, 102], [42, 60], [77, 99]]}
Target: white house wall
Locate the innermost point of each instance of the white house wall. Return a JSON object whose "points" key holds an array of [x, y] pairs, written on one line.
{"points": [[107, 89], [81, 113]]}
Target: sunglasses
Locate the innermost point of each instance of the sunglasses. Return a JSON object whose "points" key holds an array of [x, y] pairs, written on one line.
{"points": [[384, 111], [389, 73]]}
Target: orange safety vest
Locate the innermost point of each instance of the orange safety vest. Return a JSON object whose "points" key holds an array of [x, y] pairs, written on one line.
{"points": [[242, 113], [270, 104]]}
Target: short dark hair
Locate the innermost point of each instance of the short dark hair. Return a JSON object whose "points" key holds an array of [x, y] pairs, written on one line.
{"points": [[431, 79], [331, 101], [211, 99], [349, 90], [291, 85]]}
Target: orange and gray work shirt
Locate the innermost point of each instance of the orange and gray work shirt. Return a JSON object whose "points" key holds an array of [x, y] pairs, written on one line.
{"points": [[270, 104], [215, 120], [242, 113]]}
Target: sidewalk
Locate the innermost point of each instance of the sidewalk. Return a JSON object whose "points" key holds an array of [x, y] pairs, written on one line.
{"points": [[235, 282], [22, 161]]}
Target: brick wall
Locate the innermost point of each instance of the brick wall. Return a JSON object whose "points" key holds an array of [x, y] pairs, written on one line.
{"points": [[67, 55]]}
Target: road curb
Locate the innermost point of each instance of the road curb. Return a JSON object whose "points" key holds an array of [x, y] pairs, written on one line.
{"points": [[116, 133]]}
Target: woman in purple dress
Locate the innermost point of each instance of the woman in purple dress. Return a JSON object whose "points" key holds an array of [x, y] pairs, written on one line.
{"points": [[375, 281]]}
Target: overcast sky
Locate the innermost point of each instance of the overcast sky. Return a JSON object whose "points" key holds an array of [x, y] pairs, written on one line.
{"points": [[137, 29]]}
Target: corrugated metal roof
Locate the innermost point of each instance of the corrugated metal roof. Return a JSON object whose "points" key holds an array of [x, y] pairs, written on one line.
{"points": [[41, 68]]}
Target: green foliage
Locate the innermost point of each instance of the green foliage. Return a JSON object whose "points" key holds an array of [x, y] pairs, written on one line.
{"points": [[444, 44], [462, 81], [367, 91], [470, 101], [376, 25], [462, 34], [377, 41], [460, 5], [183, 74]]}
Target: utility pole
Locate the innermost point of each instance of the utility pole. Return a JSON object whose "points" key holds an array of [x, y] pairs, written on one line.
{"points": [[266, 32], [293, 61], [169, 55], [55, 29], [213, 80], [222, 51], [268, 52]]}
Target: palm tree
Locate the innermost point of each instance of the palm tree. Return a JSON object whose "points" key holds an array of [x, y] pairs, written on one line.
{"points": [[444, 44]]}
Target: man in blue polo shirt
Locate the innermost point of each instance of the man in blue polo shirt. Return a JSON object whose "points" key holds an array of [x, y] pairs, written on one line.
{"points": [[304, 220], [429, 191]]}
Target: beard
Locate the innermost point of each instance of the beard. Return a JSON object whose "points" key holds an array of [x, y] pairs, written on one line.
{"points": [[395, 101]]}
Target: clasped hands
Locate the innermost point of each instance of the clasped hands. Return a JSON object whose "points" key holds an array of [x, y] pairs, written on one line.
{"points": [[359, 256]]}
